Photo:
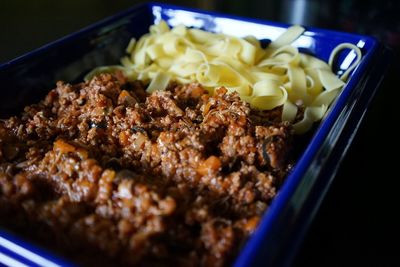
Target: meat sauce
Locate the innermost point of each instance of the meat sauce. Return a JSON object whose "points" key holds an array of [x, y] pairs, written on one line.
{"points": [[106, 174]]}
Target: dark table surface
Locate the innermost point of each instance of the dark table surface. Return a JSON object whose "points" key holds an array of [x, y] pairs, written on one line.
{"points": [[356, 224]]}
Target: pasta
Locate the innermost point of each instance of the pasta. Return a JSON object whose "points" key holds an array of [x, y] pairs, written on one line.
{"points": [[265, 78]]}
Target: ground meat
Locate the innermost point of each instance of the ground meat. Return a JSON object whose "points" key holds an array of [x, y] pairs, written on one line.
{"points": [[106, 174]]}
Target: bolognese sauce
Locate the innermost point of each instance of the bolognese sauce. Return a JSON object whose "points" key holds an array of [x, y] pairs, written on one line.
{"points": [[105, 173]]}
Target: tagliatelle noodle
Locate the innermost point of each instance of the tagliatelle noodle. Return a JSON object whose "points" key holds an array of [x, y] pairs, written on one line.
{"points": [[337, 51], [266, 78]]}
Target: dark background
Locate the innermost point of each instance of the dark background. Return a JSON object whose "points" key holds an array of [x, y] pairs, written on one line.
{"points": [[356, 225]]}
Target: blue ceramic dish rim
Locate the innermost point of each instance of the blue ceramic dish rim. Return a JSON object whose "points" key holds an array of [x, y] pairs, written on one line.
{"points": [[149, 5], [292, 181], [25, 253]]}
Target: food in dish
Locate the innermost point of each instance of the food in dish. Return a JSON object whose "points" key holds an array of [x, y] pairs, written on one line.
{"points": [[118, 171], [278, 75], [174, 177]]}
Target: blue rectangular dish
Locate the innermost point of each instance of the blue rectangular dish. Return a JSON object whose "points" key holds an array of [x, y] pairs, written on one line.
{"points": [[280, 232]]}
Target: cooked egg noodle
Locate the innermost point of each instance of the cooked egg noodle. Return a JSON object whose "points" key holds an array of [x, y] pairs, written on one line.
{"points": [[265, 78]]}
